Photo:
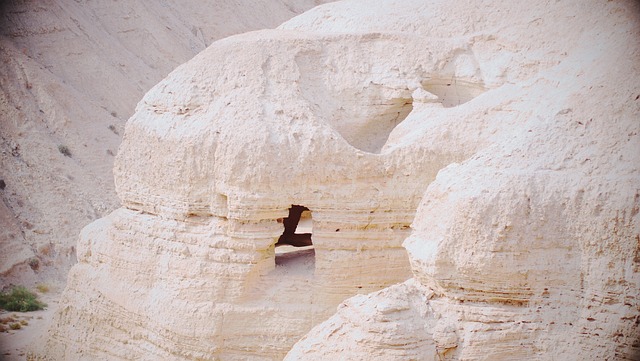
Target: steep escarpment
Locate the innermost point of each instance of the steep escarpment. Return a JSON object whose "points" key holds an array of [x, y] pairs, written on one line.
{"points": [[529, 248], [474, 125], [211, 162]]}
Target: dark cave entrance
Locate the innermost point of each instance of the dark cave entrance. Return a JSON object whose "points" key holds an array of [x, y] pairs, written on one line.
{"points": [[296, 238]]}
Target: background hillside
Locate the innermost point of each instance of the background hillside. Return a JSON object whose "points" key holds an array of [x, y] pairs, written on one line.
{"points": [[71, 73]]}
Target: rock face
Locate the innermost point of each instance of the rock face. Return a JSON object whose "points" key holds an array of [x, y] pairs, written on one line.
{"points": [[71, 74], [507, 129], [530, 248], [214, 157]]}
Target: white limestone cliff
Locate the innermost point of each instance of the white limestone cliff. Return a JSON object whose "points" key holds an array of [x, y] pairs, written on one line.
{"points": [[501, 133], [529, 249], [71, 74]]}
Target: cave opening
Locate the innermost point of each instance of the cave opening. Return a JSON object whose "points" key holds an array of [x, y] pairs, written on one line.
{"points": [[296, 239]]}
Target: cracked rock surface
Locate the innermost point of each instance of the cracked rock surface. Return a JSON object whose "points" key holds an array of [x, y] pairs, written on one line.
{"points": [[470, 172]]}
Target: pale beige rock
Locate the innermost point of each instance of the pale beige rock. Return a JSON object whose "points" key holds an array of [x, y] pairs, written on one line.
{"points": [[214, 156], [14, 253], [71, 74], [529, 248], [204, 184], [394, 323], [504, 126]]}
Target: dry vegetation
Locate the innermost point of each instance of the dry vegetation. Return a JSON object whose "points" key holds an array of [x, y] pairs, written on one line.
{"points": [[20, 299]]}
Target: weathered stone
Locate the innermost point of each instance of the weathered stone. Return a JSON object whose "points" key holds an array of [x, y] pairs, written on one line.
{"points": [[503, 126]]}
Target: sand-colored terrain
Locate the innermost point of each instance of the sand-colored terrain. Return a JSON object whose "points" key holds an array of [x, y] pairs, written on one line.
{"points": [[71, 74], [469, 173]]}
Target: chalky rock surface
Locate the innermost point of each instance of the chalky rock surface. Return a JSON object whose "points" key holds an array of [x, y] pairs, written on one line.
{"points": [[71, 74], [530, 248], [511, 130]]}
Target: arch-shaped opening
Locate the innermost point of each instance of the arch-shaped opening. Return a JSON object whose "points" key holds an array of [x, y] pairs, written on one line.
{"points": [[296, 239]]}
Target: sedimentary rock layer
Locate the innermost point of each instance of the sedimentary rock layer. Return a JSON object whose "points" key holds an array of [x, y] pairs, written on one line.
{"points": [[499, 132], [529, 249], [71, 74]]}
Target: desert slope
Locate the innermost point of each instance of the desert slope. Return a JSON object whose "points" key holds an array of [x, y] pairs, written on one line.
{"points": [[71, 74], [470, 173]]}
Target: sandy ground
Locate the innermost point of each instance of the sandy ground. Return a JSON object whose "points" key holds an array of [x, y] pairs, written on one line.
{"points": [[30, 339]]}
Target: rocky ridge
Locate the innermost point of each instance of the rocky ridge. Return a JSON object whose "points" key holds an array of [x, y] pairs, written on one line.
{"points": [[474, 125], [529, 248]]}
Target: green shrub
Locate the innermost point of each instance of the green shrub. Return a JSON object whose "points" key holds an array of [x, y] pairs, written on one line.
{"points": [[20, 299]]}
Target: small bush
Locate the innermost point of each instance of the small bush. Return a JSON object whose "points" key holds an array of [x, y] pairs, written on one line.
{"points": [[64, 150], [15, 326], [20, 299], [42, 288]]}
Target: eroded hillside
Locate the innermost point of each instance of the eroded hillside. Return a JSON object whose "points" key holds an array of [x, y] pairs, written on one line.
{"points": [[469, 173], [71, 74]]}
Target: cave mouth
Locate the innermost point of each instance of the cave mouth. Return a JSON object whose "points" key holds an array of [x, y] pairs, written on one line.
{"points": [[296, 237]]}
